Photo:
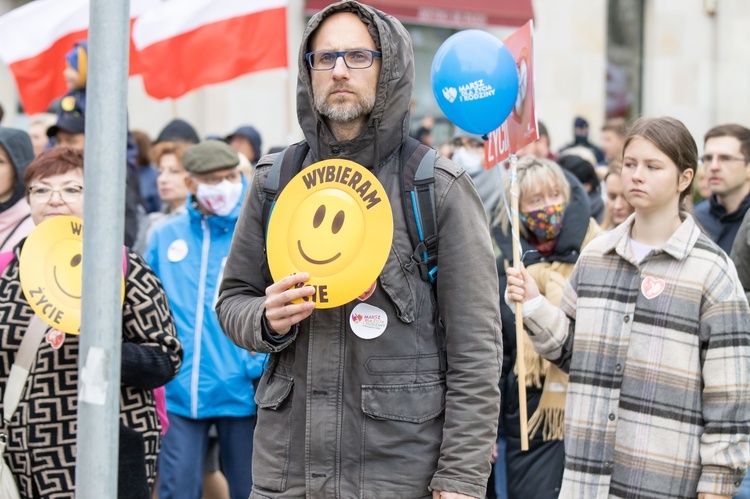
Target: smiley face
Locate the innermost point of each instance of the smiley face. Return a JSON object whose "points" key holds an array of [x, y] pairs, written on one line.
{"points": [[61, 283], [326, 232], [51, 272], [333, 220], [63, 270], [320, 215]]}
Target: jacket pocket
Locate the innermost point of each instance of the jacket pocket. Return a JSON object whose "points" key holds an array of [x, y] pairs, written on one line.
{"points": [[402, 427], [412, 403], [271, 444]]}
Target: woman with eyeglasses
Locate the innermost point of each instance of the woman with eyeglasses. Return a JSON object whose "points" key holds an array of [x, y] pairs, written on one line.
{"points": [[556, 224], [41, 443]]}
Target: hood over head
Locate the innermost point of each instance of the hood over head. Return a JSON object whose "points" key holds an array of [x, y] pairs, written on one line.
{"points": [[21, 153], [178, 130], [388, 124], [251, 134]]}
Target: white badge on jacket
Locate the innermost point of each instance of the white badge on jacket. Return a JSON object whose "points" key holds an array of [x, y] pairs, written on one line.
{"points": [[177, 251], [368, 322]]}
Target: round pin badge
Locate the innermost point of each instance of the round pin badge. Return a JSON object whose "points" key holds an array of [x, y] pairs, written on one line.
{"points": [[50, 272], [68, 103], [333, 220], [368, 322], [177, 251]]}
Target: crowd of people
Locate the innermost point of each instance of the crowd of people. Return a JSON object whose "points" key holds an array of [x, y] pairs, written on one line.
{"points": [[634, 292]]}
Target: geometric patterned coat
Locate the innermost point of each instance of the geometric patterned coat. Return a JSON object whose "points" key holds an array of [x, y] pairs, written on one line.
{"points": [[41, 448]]}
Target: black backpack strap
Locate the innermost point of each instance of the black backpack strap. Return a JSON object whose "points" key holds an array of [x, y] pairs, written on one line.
{"points": [[286, 165], [418, 181], [418, 199]]}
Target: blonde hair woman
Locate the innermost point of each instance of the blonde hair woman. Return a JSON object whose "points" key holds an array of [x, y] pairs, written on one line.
{"points": [[555, 225]]}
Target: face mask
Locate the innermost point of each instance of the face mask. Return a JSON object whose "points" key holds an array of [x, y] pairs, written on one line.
{"points": [[469, 161], [220, 198], [546, 223]]}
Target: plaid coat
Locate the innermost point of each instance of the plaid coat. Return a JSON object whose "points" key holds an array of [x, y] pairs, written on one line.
{"points": [[659, 359]]}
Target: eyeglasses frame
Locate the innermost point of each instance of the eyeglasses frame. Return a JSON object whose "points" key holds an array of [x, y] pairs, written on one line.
{"points": [[341, 54], [53, 190]]}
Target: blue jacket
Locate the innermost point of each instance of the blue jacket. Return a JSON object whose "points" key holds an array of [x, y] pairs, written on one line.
{"points": [[188, 253]]}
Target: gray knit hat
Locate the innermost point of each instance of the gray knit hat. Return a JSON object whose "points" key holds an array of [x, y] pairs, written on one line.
{"points": [[210, 156]]}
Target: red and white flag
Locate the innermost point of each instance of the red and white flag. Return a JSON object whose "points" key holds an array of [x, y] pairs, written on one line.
{"points": [[186, 44], [35, 38]]}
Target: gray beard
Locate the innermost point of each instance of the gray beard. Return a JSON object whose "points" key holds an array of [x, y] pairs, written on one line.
{"points": [[341, 112]]}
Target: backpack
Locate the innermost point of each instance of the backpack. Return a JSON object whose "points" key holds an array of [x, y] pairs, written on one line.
{"points": [[418, 200]]}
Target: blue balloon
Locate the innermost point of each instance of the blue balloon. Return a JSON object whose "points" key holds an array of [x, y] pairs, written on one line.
{"points": [[475, 80]]}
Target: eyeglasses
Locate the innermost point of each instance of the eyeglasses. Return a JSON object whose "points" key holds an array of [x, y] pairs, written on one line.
{"points": [[323, 60], [68, 193], [721, 159]]}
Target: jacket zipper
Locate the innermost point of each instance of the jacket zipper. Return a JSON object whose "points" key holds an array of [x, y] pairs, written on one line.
{"points": [[195, 375]]}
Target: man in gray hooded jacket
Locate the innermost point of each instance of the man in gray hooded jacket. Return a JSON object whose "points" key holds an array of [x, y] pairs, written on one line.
{"points": [[412, 413]]}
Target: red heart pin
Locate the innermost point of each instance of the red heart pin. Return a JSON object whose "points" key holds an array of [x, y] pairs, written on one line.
{"points": [[55, 338], [651, 287], [368, 292]]}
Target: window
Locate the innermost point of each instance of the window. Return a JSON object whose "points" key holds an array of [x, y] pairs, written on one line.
{"points": [[624, 58]]}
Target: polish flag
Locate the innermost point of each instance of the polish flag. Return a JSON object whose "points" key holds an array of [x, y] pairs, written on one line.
{"points": [[35, 38], [186, 44]]}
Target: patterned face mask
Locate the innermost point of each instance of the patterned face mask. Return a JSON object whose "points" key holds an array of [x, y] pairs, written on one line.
{"points": [[546, 223]]}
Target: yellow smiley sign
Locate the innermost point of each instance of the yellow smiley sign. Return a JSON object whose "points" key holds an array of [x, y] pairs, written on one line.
{"points": [[50, 272], [333, 220]]}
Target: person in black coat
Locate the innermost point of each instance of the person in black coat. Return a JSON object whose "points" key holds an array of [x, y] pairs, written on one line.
{"points": [[555, 225]]}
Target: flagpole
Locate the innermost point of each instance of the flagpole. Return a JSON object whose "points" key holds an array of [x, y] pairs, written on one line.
{"points": [[520, 358], [289, 106], [101, 313]]}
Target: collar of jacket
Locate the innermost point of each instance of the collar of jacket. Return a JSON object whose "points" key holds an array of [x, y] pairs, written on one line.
{"points": [[717, 210], [575, 225], [678, 245]]}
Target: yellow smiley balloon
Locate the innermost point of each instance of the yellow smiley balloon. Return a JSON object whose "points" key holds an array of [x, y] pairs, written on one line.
{"points": [[333, 220], [50, 272]]}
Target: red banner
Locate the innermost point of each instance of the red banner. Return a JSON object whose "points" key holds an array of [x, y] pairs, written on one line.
{"points": [[521, 126]]}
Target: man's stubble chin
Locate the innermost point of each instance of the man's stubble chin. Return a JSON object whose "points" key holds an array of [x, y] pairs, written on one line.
{"points": [[341, 111]]}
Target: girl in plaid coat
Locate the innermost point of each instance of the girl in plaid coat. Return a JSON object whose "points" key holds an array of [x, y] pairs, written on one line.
{"points": [[654, 330]]}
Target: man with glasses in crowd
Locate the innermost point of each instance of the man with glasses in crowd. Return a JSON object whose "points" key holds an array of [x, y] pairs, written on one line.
{"points": [[726, 157], [412, 412]]}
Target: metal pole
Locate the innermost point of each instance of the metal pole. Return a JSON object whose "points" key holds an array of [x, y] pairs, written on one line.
{"points": [[520, 358], [101, 314]]}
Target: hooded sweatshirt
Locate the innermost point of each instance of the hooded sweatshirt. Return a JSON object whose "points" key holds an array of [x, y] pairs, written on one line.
{"points": [[15, 216], [251, 134], [342, 416]]}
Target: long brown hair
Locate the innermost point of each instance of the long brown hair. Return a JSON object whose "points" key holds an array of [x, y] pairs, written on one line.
{"points": [[672, 138]]}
